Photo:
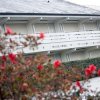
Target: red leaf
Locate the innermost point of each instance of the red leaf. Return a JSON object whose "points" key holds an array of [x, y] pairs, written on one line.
{"points": [[78, 84]]}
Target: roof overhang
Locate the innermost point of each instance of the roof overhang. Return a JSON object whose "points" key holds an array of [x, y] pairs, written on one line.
{"points": [[44, 14], [47, 17]]}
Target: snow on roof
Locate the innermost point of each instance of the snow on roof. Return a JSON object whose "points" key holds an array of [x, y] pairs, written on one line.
{"points": [[44, 6]]}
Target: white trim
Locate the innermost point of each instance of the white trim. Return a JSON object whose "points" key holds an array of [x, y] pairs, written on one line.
{"points": [[78, 16], [33, 27], [48, 28]]}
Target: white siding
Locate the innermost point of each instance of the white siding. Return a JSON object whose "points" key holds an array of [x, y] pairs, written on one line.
{"points": [[51, 28], [70, 27], [81, 26], [95, 53], [77, 55], [18, 28], [81, 55], [58, 27], [56, 56], [1, 29], [90, 26]]}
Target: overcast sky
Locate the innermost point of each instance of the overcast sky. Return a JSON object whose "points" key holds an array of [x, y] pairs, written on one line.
{"points": [[86, 2]]}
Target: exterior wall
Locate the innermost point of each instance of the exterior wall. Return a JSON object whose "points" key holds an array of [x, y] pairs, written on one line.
{"points": [[77, 55], [90, 26], [81, 55], [95, 53], [53, 27], [2, 29], [44, 27], [56, 27], [75, 27], [18, 28]]}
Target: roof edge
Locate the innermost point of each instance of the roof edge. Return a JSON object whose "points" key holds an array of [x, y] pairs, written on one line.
{"points": [[47, 14]]}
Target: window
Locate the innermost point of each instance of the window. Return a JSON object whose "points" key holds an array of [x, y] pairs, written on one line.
{"points": [[18, 28], [70, 27], [44, 27], [91, 26]]}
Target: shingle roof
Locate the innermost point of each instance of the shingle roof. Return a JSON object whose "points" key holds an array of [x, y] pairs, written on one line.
{"points": [[44, 6]]}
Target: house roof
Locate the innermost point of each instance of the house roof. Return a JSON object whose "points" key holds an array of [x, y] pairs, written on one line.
{"points": [[43, 6]]}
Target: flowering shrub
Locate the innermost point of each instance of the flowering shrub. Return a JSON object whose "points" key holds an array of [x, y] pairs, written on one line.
{"points": [[23, 77]]}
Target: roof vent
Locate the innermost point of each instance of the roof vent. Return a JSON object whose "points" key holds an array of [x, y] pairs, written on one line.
{"points": [[43, 20]]}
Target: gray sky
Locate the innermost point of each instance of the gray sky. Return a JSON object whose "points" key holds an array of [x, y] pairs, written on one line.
{"points": [[86, 2]]}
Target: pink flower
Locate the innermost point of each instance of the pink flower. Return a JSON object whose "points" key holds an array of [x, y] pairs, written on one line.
{"points": [[12, 57], [57, 63], [92, 68], [8, 31], [41, 35], [87, 72], [98, 72], [40, 67]]}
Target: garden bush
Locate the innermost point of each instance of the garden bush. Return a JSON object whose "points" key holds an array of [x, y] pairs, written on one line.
{"points": [[24, 78], [84, 63]]}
